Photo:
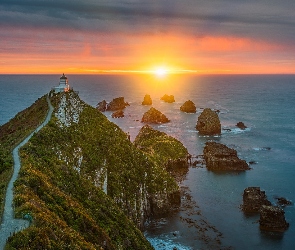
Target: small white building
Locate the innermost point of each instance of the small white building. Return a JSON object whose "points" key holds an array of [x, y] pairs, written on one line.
{"points": [[63, 85]]}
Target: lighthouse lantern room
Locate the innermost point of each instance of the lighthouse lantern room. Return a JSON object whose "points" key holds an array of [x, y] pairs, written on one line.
{"points": [[63, 85]]}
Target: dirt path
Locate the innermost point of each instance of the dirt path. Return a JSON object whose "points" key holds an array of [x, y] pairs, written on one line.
{"points": [[9, 224]]}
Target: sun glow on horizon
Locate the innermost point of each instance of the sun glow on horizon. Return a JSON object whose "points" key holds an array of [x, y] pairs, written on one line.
{"points": [[161, 72]]}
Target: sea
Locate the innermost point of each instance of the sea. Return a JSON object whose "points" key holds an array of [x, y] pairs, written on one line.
{"points": [[210, 216]]}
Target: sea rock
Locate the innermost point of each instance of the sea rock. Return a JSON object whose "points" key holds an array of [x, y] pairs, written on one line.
{"points": [[168, 98], [118, 114], [272, 218], [188, 107], [254, 199], [208, 123], [147, 100], [283, 201], [253, 162], [117, 104], [241, 125], [102, 106], [154, 116], [220, 157]]}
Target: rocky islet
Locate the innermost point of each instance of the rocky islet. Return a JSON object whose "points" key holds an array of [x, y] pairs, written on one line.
{"points": [[188, 107], [219, 157], [208, 123]]}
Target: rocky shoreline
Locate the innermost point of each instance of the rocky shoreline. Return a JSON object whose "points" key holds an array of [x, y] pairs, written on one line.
{"points": [[216, 156]]}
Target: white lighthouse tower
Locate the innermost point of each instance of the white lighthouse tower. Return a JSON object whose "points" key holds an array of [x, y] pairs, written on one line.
{"points": [[63, 85]]}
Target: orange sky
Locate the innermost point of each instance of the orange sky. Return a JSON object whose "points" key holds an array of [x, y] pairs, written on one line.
{"points": [[170, 39]]}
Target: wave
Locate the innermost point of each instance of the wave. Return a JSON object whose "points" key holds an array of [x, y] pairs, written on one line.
{"points": [[262, 149], [235, 130], [166, 243]]}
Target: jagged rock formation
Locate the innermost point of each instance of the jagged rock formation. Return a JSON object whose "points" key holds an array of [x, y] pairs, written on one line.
{"points": [[118, 114], [254, 199], [154, 116], [168, 98], [272, 218], [101, 106], [117, 104], [147, 100], [241, 125], [85, 185], [208, 123], [220, 157], [188, 107]]}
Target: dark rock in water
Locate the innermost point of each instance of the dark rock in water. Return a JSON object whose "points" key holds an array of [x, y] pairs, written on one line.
{"points": [[272, 218], [252, 162], [283, 201], [220, 157], [118, 114], [154, 116], [147, 100], [188, 107], [117, 104], [168, 98], [208, 123], [226, 129], [241, 125], [254, 199], [102, 106]]}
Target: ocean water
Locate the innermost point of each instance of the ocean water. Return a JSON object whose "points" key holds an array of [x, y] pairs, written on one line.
{"points": [[210, 216]]}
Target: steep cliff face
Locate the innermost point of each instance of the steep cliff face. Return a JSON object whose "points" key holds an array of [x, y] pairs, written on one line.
{"points": [[169, 154], [81, 180]]}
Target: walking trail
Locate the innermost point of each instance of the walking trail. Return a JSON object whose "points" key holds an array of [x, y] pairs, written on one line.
{"points": [[9, 224]]}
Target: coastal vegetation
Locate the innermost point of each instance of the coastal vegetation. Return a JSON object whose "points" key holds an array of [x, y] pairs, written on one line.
{"points": [[84, 185], [166, 151], [14, 132], [163, 148]]}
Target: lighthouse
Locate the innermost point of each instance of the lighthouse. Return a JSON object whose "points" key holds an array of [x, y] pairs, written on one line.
{"points": [[63, 84]]}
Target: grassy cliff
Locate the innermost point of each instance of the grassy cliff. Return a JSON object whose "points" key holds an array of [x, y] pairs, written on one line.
{"points": [[14, 132], [85, 185], [165, 150]]}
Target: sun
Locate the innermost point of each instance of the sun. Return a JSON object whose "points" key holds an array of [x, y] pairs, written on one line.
{"points": [[160, 72]]}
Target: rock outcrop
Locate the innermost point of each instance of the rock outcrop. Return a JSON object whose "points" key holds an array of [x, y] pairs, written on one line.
{"points": [[168, 98], [188, 107], [272, 218], [117, 104], [101, 106], [220, 157], [283, 201], [167, 151], [154, 116], [208, 123], [254, 199], [118, 114], [241, 125], [147, 100]]}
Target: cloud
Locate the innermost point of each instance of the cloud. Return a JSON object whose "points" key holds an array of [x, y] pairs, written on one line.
{"points": [[111, 30], [266, 19]]}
